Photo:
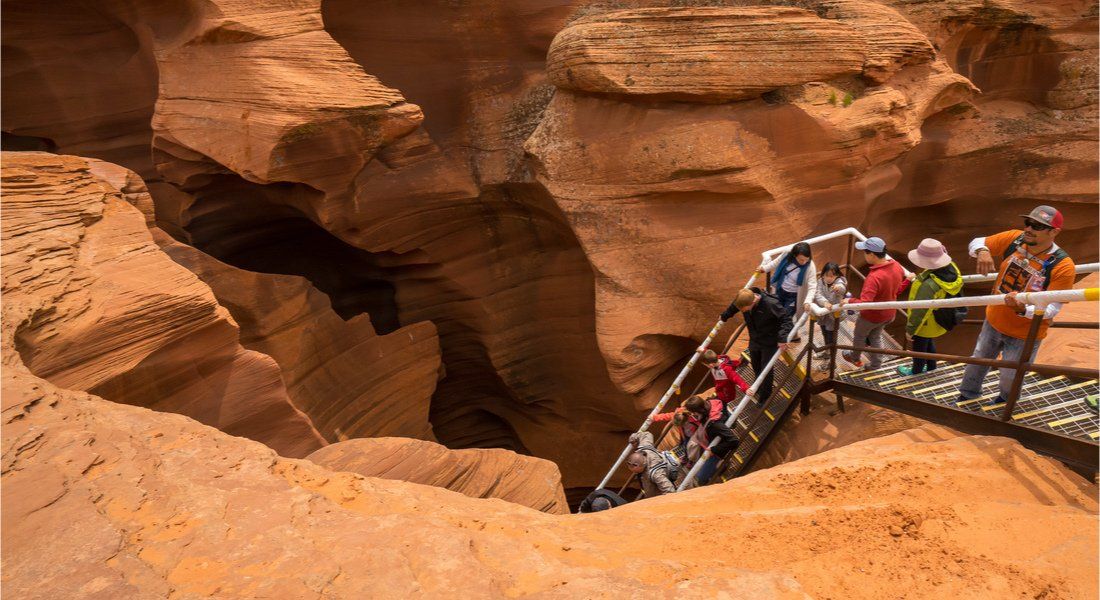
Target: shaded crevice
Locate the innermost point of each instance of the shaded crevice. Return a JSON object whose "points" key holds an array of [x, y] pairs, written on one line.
{"points": [[26, 143], [237, 222]]}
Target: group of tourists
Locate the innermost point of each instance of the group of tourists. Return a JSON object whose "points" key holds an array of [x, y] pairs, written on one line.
{"points": [[1029, 261]]}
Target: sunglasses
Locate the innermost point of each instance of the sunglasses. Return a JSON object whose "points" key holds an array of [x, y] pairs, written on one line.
{"points": [[1035, 225]]}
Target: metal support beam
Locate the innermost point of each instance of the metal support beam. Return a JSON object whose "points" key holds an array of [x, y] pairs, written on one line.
{"points": [[1067, 449]]}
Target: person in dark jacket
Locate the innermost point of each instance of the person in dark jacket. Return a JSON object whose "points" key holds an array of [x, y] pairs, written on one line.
{"points": [[769, 324]]}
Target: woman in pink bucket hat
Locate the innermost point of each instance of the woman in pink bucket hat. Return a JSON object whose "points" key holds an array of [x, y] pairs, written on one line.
{"points": [[939, 279]]}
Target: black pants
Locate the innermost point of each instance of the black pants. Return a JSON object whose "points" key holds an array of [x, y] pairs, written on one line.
{"points": [[923, 344], [760, 358], [829, 336]]}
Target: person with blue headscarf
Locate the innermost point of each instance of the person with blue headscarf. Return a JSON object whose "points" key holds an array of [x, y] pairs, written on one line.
{"points": [[794, 278]]}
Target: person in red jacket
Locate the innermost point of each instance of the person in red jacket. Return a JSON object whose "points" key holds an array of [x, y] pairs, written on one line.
{"points": [[724, 371], [884, 282]]}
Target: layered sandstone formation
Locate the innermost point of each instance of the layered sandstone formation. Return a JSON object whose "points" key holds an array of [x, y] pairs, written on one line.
{"points": [[666, 197], [494, 473], [431, 164], [102, 499], [1030, 139], [92, 304], [708, 54]]}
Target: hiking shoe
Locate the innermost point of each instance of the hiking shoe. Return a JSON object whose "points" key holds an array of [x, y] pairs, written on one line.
{"points": [[848, 356], [906, 370], [997, 400]]}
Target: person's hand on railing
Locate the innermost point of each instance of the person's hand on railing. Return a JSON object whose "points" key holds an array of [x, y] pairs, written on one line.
{"points": [[1014, 304], [985, 261]]}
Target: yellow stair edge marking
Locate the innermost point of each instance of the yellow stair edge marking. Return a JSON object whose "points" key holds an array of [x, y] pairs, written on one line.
{"points": [[785, 394], [753, 436], [866, 372], [898, 378], [739, 460], [1065, 389], [1039, 411], [1068, 420], [935, 373], [769, 414], [981, 399], [956, 392], [1094, 434], [1022, 388], [1039, 395]]}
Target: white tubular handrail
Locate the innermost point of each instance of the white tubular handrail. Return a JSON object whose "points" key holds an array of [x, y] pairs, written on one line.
{"points": [[976, 278], [1039, 299], [675, 387], [741, 405], [767, 255], [672, 389]]}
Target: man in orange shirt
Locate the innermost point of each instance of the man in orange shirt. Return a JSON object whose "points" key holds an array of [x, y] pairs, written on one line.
{"points": [[1030, 262]]}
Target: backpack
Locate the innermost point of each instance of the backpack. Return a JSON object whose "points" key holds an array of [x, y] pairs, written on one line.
{"points": [[950, 316], [1048, 265], [669, 460]]}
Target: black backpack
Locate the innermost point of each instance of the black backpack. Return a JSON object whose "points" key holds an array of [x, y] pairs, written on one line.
{"points": [[950, 316]]}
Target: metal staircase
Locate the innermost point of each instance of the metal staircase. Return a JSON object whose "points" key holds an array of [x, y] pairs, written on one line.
{"points": [[1052, 409]]}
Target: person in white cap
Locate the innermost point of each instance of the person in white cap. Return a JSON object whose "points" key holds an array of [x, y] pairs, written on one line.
{"points": [[1030, 262], [939, 279], [883, 284]]}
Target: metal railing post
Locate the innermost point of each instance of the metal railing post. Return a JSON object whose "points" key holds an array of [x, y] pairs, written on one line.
{"points": [[1025, 359], [848, 260], [741, 405], [804, 408]]}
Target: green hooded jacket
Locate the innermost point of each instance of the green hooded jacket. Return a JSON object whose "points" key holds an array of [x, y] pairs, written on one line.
{"points": [[932, 285]]}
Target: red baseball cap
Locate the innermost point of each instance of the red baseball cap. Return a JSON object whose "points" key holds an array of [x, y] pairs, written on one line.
{"points": [[1047, 215]]}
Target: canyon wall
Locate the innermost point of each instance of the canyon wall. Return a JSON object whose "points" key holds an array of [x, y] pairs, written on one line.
{"points": [[505, 224]]}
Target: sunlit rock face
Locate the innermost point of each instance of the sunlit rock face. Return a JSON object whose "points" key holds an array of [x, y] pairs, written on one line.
{"points": [[539, 207], [673, 201]]}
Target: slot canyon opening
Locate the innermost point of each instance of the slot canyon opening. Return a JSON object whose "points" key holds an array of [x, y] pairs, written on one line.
{"points": [[26, 143], [249, 226]]}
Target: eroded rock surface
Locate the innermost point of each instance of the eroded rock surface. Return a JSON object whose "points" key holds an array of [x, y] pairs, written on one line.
{"points": [[566, 285], [96, 306], [674, 202], [706, 54], [164, 506], [488, 473]]}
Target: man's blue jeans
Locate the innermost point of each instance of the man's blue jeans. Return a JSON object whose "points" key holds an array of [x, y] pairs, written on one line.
{"points": [[991, 343]]}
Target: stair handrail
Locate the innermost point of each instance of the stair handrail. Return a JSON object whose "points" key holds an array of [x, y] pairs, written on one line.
{"points": [[1039, 299], [1078, 270], [749, 395], [766, 256]]}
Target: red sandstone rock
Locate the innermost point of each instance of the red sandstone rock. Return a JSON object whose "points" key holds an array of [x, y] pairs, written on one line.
{"points": [[100, 308], [673, 203], [161, 505], [350, 381], [703, 54], [490, 473], [483, 252]]}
